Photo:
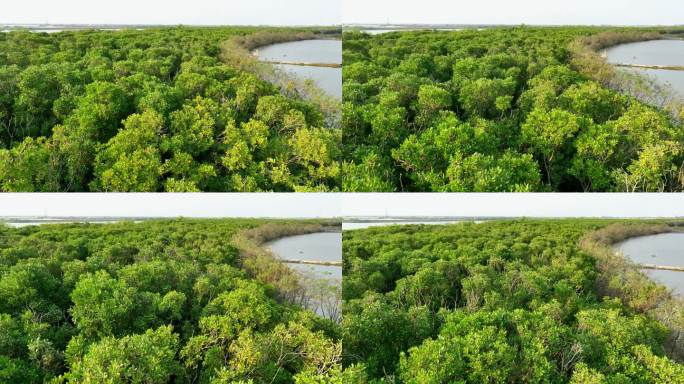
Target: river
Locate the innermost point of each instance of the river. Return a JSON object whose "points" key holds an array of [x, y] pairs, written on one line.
{"points": [[309, 51], [323, 282], [663, 249], [654, 52]]}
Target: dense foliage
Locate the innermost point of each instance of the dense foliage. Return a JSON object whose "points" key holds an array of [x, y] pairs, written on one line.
{"points": [[153, 302], [497, 302], [152, 110], [503, 109]]}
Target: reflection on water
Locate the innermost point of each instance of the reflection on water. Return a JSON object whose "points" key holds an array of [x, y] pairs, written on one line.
{"points": [[671, 279], [671, 79], [323, 282], [328, 79], [655, 52], [324, 246], [310, 51], [663, 249]]}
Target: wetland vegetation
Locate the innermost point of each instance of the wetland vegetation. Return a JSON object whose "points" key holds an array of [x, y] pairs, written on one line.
{"points": [[162, 109], [505, 109], [523, 301], [317, 257], [161, 301]]}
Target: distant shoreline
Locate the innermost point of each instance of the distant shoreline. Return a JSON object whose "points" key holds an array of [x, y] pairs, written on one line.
{"points": [[49, 27], [466, 26]]}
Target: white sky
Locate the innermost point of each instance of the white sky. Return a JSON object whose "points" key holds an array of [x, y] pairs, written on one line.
{"points": [[515, 205], [317, 205], [195, 12], [614, 12], [322, 205]]}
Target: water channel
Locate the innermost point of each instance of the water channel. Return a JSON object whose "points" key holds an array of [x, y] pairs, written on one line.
{"points": [[665, 249], [309, 51], [654, 52], [324, 282]]}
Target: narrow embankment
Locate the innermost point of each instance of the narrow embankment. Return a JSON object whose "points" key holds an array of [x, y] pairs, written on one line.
{"points": [[661, 267], [238, 52], [322, 248], [253, 42], [262, 264], [316, 257], [588, 57], [650, 66], [312, 262], [300, 64], [621, 278], [263, 38], [318, 61]]}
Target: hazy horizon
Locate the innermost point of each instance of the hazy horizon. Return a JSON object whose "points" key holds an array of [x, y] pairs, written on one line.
{"points": [[502, 12], [514, 205], [169, 205], [342, 205], [164, 25], [508, 25], [174, 12]]}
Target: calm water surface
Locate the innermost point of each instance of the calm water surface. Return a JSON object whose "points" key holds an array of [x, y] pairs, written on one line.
{"points": [[310, 51], [324, 246], [655, 52], [662, 249]]}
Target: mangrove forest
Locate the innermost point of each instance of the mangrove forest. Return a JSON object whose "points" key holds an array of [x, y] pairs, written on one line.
{"points": [[161, 301], [506, 109], [162, 109], [517, 301]]}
